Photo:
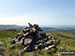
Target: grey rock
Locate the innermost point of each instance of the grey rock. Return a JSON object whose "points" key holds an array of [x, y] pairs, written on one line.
{"points": [[33, 37], [33, 54]]}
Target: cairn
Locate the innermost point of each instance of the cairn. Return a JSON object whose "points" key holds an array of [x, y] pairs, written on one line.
{"points": [[33, 38]]}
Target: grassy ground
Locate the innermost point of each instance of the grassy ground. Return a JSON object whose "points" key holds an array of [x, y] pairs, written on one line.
{"points": [[67, 44], [7, 35]]}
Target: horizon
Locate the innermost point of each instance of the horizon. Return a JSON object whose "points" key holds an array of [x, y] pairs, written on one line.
{"points": [[53, 26], [41, 12]]}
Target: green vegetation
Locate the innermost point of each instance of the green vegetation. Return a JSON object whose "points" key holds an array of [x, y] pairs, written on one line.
{"points": [[8, 33], [68, 44]]}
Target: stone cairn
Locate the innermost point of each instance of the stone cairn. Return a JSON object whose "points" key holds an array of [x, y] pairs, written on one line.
{"points": [[33, 38]]}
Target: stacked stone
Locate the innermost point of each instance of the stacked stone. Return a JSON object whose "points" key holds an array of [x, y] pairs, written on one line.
{"points": [[33, 38]]}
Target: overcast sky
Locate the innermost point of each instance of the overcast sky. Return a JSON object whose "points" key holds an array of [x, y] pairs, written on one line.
{"points": [[42, 12]]}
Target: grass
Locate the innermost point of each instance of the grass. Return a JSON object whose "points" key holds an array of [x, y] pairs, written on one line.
{"points": [[8, 33], [67, 44], [69, 34]]}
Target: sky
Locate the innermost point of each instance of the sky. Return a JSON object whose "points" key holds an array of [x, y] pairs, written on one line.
{"points": [[42, 12]]}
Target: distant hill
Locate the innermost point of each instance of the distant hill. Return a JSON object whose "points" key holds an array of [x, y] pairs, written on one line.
{"points": [[5, 27], [48, 28], [55, 28], [63, 26]]}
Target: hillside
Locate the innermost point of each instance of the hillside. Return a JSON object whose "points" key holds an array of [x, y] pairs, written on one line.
{"points": [[67, 44], [5, 27]]}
